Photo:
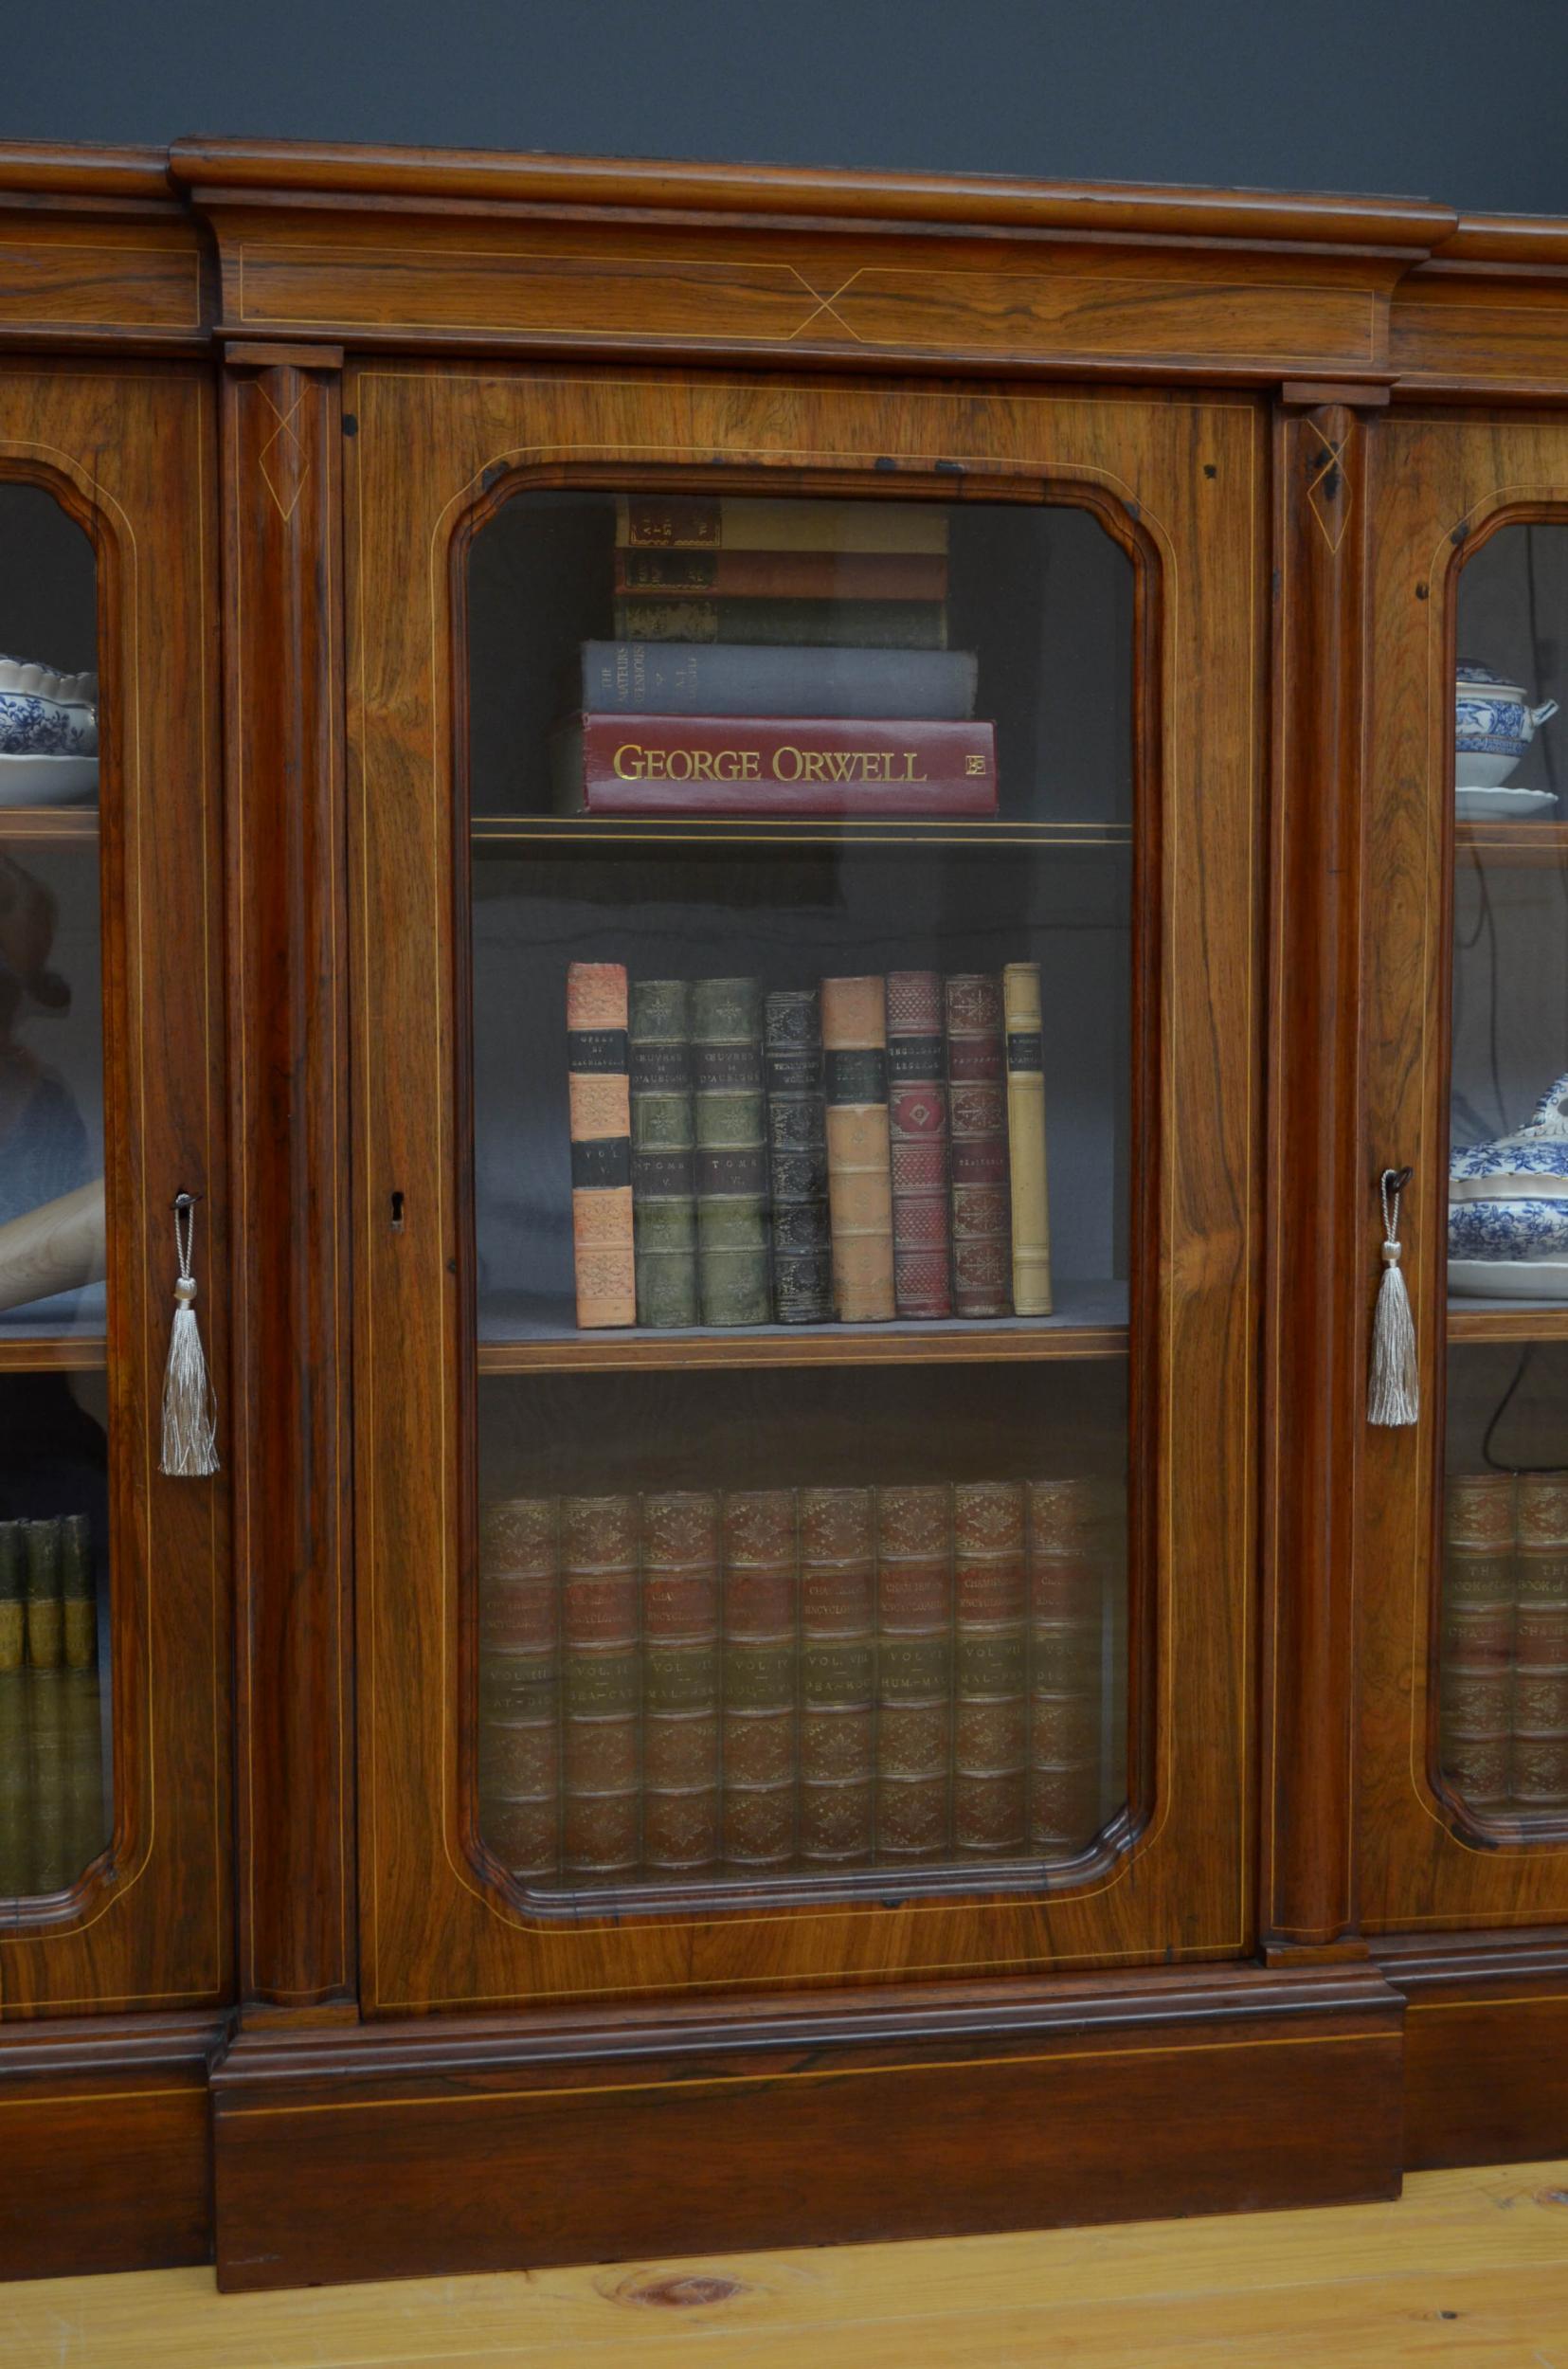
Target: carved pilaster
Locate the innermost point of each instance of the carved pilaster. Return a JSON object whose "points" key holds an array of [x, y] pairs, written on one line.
{"points": [[283, 540], [1319, 1207]]}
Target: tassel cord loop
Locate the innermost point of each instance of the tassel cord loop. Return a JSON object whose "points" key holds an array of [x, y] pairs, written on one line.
{"points": [[189, 1445], [1394, 1398]]}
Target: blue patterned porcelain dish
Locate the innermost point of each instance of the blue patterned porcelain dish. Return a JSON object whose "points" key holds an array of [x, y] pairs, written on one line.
{"points": [[1494, 724], [44, 713], [1508, 1199]]}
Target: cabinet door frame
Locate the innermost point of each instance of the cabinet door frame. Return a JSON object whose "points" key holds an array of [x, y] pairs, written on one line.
{"points": [[430, 441], [1447, 480], [129, 449]]}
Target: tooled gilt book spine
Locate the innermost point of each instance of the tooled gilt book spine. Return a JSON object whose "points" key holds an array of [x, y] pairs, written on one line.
{"points": [[664, 1210], [600, 1103], [519, 1742], [1073, 1544], [798, 575], [854, 1052], [977, 1118], [45, 1609], [766, 523], [1541, 1648], [691, 617], [13, 1596], [681, 1684], [731, 1154], [837, 1678], [600, 1675], [1030, 1208], [990, 1708], [1477, 1666], [796, 1156], [78, 1593], [761, 1671], [918, 1130], [914, 1675]]}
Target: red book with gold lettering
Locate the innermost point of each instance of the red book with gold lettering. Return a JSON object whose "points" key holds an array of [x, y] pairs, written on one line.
{"points": [[738, 765]]}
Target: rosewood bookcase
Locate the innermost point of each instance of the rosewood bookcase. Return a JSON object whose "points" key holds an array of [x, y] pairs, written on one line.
{"points": [[743, 1774]]}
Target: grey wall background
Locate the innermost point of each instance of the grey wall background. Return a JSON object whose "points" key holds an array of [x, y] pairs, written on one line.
{"points": [[1466, 101]]}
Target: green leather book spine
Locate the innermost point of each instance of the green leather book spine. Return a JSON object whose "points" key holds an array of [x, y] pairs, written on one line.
{"points": [[729, 1109], [796, 1156], [663, 1176]]}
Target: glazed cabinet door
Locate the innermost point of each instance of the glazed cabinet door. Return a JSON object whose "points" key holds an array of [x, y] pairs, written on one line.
{"points": [[113, 1641], [1463, 1576], [804, 856]]}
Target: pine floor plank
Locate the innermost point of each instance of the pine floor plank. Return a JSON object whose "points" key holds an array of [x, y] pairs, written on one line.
{"points": [[1468, 2271]]}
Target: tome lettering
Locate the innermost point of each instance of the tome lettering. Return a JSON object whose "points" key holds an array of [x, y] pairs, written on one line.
{"points": [[632, 762]]}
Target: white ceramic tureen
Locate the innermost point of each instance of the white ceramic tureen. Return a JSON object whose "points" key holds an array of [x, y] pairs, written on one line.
{"points": [[1509, 1209]]}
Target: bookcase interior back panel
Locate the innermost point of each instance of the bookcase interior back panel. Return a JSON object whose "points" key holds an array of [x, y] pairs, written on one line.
{"points": [[786, 1281]]}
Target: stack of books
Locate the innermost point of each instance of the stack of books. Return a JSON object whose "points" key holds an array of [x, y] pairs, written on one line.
{"points": [[776, 657], [869, 1149], [687, 1684], [1504, 1697], [53, 1820]]}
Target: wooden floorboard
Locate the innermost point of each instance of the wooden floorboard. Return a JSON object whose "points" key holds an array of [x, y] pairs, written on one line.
{"points": [[1468, 2267]]}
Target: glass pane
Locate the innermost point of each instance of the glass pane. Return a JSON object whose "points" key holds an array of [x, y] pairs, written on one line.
{"points": [[55, 1812], [1502, 1742], [805, 1189]]}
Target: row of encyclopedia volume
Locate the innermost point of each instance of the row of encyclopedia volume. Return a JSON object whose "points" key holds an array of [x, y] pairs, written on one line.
{"points": [[1505, 1642], [685, 1685], [869, 1150], [53, 1816]]}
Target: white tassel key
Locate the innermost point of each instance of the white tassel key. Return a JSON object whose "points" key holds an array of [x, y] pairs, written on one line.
{"points": [[1395, 1396], [189, 1409]]}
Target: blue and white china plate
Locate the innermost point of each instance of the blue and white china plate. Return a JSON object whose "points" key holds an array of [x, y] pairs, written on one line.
{"points": [[1504, 805], [46, 781], [1509, 1278]]}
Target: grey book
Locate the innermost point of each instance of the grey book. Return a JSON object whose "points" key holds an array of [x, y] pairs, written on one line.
{"points": [[663, 1176], [729, 1107], [797, 1157], [752, 678]]}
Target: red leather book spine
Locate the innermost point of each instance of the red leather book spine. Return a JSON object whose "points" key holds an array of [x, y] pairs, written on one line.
{"points": [[761, 1677], [1076, 1555], [813, 765], [680, 1683], [783, 575], [600, 1674], [520, 1686], [977, 1120], [917, 1130], [837, 1678], [914, 1675], [990, 1708]]}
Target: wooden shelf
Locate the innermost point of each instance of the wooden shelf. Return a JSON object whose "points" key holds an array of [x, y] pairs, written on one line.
{"points": [[1092, 1323], [47, 824], [1515, 844], [1506, 1320], [504, 832], [52, 1353]]}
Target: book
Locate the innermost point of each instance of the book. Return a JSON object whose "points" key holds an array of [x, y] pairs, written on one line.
{"points": [[977, 1121], [15, 1795], [78, 1593], [990, 1684], [48, 1783], [796, 1156], [680, 1683], [1073, 1528], [837, 1678], [13, 1598], [822, 766], [731, 522], [519, 1748], [87, 1812], [45, 1612], [914, 1673], [796, 624], [600, 1689], [761, 1667], [1026, 1172], [664, 1209], [1475, 1677], [854, 1052], [917, 1132], [798, 575], [729, 1124], [1540, 1647], [601, 1144], [745, 677]]}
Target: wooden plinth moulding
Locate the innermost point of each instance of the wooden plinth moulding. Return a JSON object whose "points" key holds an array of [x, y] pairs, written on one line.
{"points": [[282, 507]]}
